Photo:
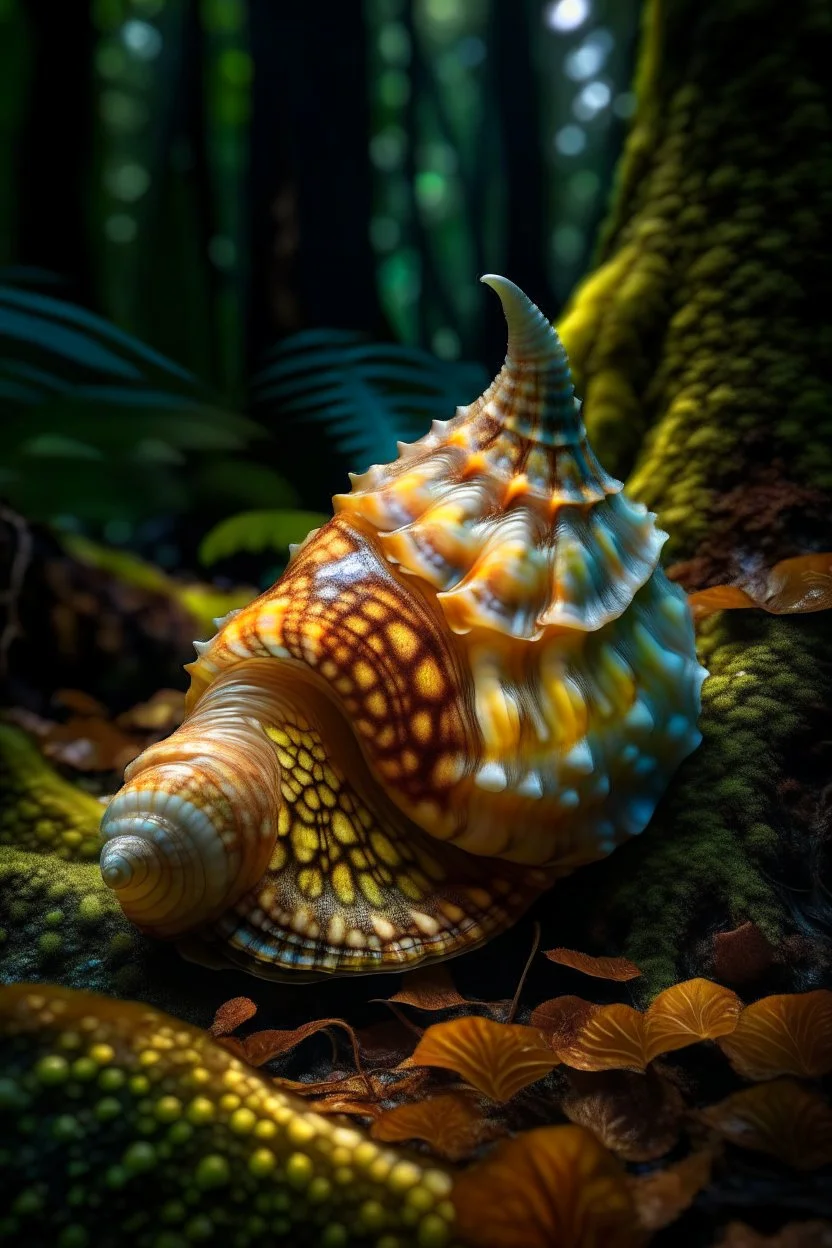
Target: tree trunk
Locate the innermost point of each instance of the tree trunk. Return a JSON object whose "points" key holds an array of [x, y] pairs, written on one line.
{"points": [[701, 346]]}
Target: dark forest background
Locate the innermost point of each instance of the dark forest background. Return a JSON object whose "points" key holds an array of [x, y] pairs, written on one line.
{"points": [[240, 242]]}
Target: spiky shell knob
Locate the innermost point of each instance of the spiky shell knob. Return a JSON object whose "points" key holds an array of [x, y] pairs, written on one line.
{"points": [[475, 678]]}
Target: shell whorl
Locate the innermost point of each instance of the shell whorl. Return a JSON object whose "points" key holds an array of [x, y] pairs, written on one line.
{"points": [[194, 825]]}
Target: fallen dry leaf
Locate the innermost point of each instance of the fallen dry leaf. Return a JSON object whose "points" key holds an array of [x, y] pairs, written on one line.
{"points": [[793, 1235], [638, 1117], [86, 743], [788, 1034], [232, 1015], [793, 586], [662, 1196], [741, 956], [619, 969], [496, 1058], [263, 1046], [618, 1037], [451, 1123], [562, 1018], [612, 1039], [783, 1118], [697, 1009], [549, 1186], [79, 702], [429, 988], [163, 712]]}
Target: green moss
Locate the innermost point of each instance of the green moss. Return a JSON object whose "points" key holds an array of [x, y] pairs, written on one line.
{"points": [[129, 1165], [40, 811], [711, 262]]}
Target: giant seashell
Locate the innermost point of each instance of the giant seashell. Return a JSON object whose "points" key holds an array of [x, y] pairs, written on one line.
{"points": [[475, 678]]}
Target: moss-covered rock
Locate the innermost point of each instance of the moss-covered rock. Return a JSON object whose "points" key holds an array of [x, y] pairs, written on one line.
{"points": [[122, 1125]]}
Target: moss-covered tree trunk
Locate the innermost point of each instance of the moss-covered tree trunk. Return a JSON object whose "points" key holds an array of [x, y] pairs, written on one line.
{"points": [[702, 346]]}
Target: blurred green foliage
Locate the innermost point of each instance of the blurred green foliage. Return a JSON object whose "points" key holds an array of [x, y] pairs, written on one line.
{"points": [[125, 376]]}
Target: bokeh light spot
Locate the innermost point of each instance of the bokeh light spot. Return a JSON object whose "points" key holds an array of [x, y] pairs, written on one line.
{"points": [[142, 39], [446, 344], [566, 15], [128, 181], [120, 228], [387, 148], [567, 243], [394, 43], [570, 140]]}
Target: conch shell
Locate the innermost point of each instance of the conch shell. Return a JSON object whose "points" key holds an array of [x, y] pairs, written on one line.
{"points": [[474, 679]]}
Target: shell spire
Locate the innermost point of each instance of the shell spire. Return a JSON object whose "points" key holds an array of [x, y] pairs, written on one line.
{"points": [[532, 339], [547, 410]]}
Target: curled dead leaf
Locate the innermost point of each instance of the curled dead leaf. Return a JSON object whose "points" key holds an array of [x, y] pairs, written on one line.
{"points": [[783, 1118], [551, 1185], [793, 586], [429, 988], [562, 1018], [619, 969], [159, 715], [787, 1034], [451, 1123], [697, 1009], [618, 1037], [232, 1015], [613, 1038], [662, 1196], [638, 1117], [793, 1235], [496, 1058]]}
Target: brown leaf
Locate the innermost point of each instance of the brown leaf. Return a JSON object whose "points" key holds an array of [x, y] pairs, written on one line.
{"points": [[549, 1186], [429, 988], [613, 1038], [788, 1034], [163, 712], [618, 1037], [619, 969], [450, 1123], [263, 1046], [562, 1018], [793, 1235], [662, 1196], [718, 598], [80, 702], [638, 1117], [793, 586], [496, 1058], [782, 1118], [232, 1015], [697, 1009], [90, 744], [800, 584], [742, 955]]}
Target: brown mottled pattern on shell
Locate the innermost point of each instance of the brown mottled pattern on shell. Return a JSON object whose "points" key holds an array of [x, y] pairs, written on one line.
{"points": [[382, 650]]}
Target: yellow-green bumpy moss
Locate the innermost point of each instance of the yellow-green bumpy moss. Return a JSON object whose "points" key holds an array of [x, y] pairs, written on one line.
{"points": [[122, 1126]]}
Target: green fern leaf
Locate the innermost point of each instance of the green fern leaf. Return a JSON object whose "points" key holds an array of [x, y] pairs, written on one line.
{"points": [[364, 397], [253, 531]]}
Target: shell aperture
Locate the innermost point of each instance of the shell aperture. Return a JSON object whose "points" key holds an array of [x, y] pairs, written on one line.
{"points": [[475, 678]]}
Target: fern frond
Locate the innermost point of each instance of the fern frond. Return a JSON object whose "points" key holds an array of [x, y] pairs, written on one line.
{"points": [[363, 396], [253, 531]]}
